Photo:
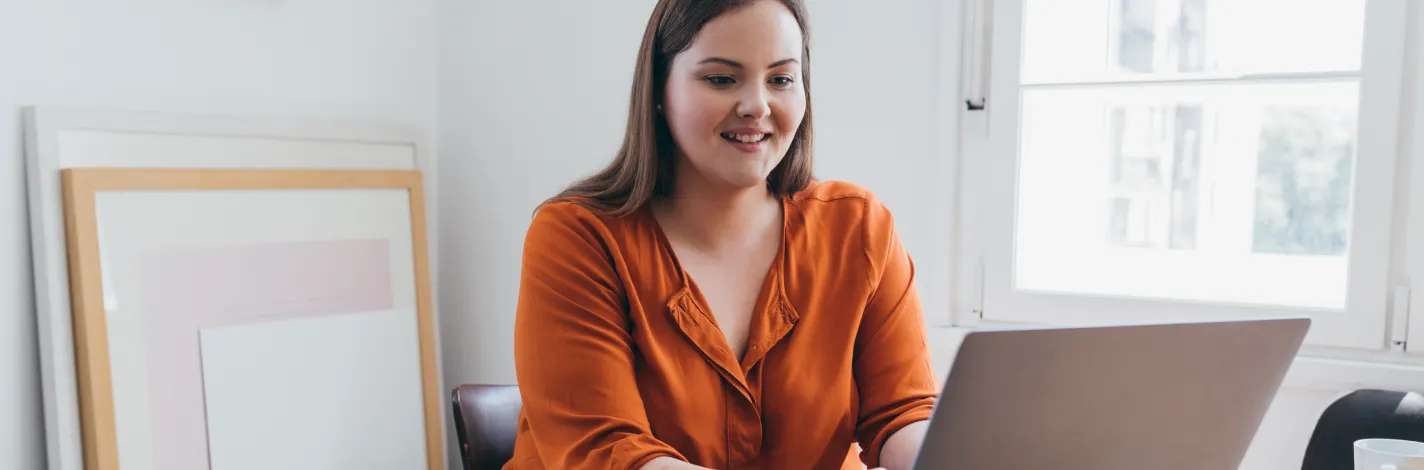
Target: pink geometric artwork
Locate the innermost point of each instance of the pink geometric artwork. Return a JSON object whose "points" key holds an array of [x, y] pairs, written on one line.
{"points": [[188, 290]]}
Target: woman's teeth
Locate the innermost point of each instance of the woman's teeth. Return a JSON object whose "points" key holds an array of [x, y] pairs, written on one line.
{"points": [[745, 138]]}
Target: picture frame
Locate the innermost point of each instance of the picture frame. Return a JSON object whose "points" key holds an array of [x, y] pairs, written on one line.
{"points": [[182, 278], [57, 138]]}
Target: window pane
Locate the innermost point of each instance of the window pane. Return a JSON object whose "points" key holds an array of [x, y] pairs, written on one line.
{"points": [[1303, 180], [1091, 39], [1225, 192]]}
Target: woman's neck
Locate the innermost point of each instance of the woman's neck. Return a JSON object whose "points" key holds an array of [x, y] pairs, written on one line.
{"points": [[715, 219]]}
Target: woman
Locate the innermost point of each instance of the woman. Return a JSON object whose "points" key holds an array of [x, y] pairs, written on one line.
{"points": [[701, 302]]}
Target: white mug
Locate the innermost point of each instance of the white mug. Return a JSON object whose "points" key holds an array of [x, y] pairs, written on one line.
{"points": [[1388, 454]]}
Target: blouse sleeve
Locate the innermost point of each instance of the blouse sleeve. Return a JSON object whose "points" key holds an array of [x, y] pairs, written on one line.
{"points": [[573, 351], [892, 362]]}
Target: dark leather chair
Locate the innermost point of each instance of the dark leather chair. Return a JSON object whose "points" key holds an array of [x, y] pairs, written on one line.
{"points": [[1362, 414], [486, 422]]}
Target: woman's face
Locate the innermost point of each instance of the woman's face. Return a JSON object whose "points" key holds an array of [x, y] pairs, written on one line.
{"points": [[734, 98]]}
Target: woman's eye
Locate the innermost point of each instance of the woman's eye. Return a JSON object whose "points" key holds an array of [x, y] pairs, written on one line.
{"points": [[720, 80], [782, 81]]}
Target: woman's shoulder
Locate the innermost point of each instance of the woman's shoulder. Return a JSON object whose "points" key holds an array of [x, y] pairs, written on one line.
{"points": [[831, 190], [560, 222], [563, 210], [835, 199], [841, 212], [570, 223]]}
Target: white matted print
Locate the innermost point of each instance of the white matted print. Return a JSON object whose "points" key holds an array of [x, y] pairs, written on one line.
{"points": [[282, 395], [226, 316], [59, 138]]}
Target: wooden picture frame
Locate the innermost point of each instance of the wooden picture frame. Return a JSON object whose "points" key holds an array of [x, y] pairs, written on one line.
{"points": [[84, 206]]}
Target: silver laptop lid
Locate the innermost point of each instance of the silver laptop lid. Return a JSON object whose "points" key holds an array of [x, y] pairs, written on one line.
{"points": [[1172, 396]]}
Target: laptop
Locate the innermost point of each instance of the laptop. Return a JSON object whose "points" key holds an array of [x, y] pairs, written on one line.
{"points": [[1163, 396]]}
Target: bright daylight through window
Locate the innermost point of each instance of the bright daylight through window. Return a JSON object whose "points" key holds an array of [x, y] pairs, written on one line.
{"points": [[1188, 190], [1206, 151]]}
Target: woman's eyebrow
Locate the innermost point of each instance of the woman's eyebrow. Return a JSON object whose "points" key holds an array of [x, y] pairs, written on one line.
{"points": [[733, 63]]}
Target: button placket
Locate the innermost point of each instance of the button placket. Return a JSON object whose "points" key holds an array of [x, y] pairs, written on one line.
{"points": [[768, 330], [707, 338], [744, 433]]}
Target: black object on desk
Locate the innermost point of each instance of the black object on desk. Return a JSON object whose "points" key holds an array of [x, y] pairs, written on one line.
{"points": [[1363, 414]]}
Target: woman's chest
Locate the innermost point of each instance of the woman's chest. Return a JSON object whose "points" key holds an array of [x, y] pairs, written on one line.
{"points": [[732, 289], [785, 333]]}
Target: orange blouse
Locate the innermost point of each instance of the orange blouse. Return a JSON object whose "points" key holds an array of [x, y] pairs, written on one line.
{"points": [[619, 359]]}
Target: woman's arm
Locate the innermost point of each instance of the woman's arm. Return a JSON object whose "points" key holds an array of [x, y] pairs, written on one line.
{"points": [[902, 447], [893, 372], [573, 352], [665, 463]]}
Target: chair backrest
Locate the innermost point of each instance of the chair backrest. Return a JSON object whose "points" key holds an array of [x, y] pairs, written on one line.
{"points": [[486, 422], [1362, 414]]}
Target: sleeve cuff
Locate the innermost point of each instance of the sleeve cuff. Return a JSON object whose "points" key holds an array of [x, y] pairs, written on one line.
{"points": [[640, 462], [635, 452]]}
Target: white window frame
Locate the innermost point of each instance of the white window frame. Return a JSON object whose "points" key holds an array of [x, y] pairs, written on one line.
{"points": [[988, 189], [1407, 327]]}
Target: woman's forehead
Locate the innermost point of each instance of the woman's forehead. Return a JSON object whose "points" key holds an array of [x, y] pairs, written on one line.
{"points": [[765, 30]]}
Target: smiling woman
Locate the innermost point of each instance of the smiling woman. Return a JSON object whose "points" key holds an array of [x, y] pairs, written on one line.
{"points": [[702, 302], [730, 67], [699, 81]]}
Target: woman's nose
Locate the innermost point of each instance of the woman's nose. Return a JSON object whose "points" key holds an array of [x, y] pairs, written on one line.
{"points": [[754, 104]]}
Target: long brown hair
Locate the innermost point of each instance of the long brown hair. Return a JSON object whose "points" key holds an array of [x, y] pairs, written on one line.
{"points": [[643, 167]]}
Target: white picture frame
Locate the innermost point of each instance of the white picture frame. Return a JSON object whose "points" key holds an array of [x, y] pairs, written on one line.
{"points": [[58, 138]]}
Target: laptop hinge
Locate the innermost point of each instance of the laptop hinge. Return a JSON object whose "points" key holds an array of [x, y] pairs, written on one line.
{"points": [[1399, 317]]}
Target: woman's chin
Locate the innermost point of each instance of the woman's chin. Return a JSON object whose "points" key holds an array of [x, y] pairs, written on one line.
{"points": [[745, 180]]}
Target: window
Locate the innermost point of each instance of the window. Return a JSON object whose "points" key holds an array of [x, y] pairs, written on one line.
{"points": [[1188, 159]]}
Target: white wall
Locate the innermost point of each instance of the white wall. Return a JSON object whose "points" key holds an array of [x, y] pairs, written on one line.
{"points": [[364, 60]]}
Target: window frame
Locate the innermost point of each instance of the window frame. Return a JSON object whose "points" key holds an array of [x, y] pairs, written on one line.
{"points": [[989, 161], [1409, 292]]}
